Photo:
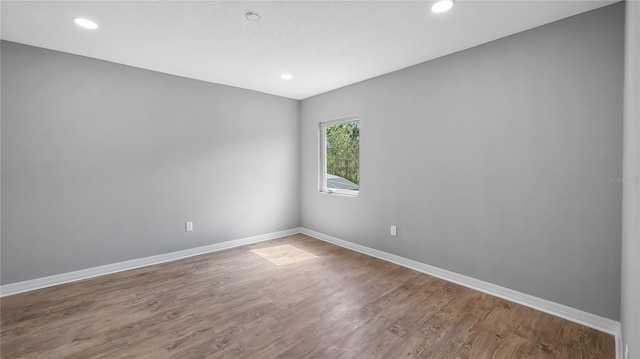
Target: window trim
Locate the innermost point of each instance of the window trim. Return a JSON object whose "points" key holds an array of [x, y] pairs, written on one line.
{"points": [[322, 178]]}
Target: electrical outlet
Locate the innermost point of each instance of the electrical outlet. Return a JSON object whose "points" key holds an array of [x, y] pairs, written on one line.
{"points": [[393, 230], [188, 226]]}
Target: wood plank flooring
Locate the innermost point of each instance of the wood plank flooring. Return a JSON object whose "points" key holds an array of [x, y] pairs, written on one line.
{"points": [[235, 304]]}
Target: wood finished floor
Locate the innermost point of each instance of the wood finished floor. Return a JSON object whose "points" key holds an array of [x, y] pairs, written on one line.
{"points": [[235, 304]]}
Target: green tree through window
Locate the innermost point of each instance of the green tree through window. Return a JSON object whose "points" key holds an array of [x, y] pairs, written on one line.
{"points": [[343, 150]]}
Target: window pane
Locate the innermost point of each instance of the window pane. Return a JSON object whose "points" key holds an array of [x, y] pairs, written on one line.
{"points": [[343, 155]]}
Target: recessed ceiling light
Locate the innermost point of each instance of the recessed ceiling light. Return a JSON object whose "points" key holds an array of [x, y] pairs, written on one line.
{"points": [[442, 6], [286, 77], [252, 16], [86, 23]]}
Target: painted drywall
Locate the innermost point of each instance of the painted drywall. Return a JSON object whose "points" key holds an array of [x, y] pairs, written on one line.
{"points": [[630, 295], [103, 163], [497, 162]]}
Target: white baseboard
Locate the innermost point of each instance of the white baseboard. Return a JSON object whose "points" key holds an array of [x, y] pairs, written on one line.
{"points": [[38, 283], [575, 315], [619, 346]]}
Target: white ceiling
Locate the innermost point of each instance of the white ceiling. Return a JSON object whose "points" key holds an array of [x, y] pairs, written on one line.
{"points": [[323, 44]]}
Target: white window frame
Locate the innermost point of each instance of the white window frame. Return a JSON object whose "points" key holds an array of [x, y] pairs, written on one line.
{"points": [[323, 156]]}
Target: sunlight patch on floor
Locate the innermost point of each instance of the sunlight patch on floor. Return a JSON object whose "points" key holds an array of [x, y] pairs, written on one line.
{"points": [[284, 254]]}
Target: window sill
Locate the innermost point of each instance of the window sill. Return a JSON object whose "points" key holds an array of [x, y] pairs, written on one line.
{"points": [[341, 194]]}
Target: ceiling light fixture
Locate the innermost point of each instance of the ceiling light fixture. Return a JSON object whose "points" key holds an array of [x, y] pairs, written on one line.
{"points": [[252, 16], [86, 23], [442, 6], [286, 77]]}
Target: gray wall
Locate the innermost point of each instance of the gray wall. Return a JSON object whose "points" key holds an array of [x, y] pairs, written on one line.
{"points": [[630, 304], [103, 163], [493, 162]]}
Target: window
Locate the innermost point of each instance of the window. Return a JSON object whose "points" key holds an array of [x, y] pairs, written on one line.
{"points": [[340, 156]]}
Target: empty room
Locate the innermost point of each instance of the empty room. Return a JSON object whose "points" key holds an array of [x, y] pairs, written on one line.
{"points": [[320, 179]]}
